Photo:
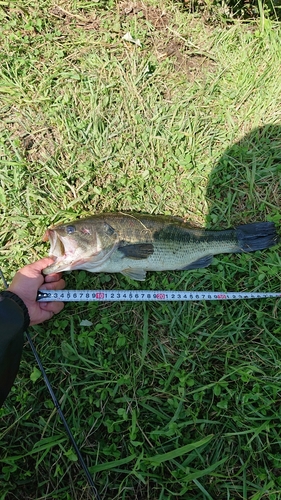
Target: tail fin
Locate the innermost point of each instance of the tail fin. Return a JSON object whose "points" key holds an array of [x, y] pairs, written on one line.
{"points": [[256, 236]]}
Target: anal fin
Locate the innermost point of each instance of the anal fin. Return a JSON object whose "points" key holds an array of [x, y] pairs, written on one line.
{"points": [[199, 263], [134, 274]]}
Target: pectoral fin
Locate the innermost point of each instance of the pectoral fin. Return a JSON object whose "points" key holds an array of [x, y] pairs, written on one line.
{"points": [[135, 274], [137, 251], [202, 262]]}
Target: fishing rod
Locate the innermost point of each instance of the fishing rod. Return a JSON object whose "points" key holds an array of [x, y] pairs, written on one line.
{"points": [[59, 410], [63, 419], [146, 295]]}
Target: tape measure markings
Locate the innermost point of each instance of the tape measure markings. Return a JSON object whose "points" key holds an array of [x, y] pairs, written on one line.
{"points": [[145, 295]]}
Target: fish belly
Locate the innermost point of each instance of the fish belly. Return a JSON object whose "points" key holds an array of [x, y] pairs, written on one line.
{"points": [[168, 256]]}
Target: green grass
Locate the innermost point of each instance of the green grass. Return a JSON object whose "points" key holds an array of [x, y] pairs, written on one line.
{"points": [[166, 401]]}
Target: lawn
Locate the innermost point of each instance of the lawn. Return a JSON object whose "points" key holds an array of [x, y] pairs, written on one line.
{"points": [[166, 401]]}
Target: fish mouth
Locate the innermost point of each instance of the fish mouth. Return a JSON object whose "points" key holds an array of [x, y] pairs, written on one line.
{"points": [[69, 255], [62, 251], [57, 248]]}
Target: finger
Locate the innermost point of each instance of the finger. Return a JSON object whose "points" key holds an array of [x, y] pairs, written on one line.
{"points": [[54, 285], [45, 261], [53, 307], [39, 265], [50, 278], [34, 270]]}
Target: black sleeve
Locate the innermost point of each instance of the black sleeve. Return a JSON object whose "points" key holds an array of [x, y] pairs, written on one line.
{"points": [[14, 319]]}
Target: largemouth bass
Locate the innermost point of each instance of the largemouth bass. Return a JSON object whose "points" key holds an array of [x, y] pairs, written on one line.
{"points": [[133, 244]]}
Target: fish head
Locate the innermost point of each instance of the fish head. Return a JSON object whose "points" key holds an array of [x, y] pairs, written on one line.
{"points": [[83, 244]]}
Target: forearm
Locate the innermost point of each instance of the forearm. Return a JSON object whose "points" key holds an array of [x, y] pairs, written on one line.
{"points": [[14, 319]]}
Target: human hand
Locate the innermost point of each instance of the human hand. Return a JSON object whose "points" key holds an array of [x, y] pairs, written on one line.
{"points": [[26, 283]]}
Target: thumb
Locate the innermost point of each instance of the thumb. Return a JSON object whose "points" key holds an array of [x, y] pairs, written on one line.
{"points": [[39, 265]]}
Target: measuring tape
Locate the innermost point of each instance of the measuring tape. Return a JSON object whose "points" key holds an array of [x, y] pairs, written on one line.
{"points": [[145, 295]]}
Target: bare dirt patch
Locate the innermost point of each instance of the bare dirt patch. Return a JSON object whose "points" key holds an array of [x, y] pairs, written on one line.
{"points": [[157, 17], [156, 25], [166, 42], [88, 22], [193, 63], [32, 137]]}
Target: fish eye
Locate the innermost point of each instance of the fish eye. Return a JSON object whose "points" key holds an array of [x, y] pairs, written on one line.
{"points": [[70, 229]]}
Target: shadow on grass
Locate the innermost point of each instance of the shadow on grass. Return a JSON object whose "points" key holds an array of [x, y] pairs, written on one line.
{"points": [[245, 185]]}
